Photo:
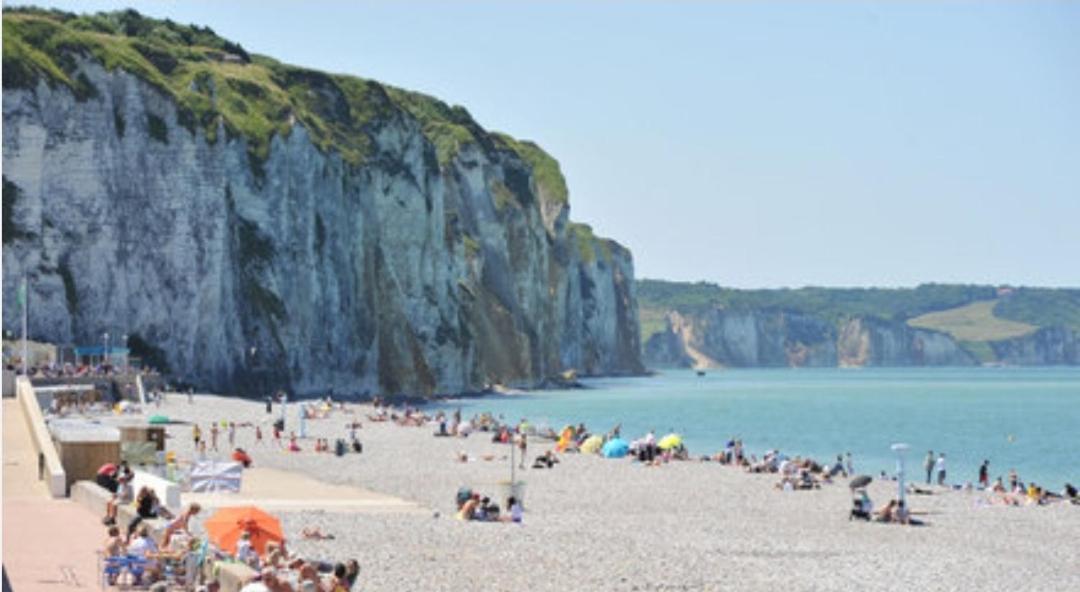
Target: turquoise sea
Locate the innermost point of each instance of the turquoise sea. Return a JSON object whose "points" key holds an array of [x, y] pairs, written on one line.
{"points": [[1027, 418]]}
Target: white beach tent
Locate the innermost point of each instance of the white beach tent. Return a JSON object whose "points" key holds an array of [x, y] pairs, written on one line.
{"points": [[208, 476]]}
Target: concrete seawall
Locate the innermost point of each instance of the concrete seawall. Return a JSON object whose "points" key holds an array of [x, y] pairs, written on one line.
{"points": [[49, 467]]}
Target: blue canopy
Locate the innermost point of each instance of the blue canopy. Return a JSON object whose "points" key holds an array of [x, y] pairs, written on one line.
{"points": [[100, 350], [615, 448]]}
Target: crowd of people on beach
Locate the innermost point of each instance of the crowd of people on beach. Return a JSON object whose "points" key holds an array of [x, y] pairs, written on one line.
{"points": [[795, 472], [103, 369], [135, 555], [161, 557]]}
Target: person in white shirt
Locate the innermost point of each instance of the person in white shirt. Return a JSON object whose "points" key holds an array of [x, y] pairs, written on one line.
{"points": [[143, 544], [144, 547], [245, 553], [939, 466]]}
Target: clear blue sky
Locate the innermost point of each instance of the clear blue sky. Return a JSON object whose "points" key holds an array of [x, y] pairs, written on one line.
{"points": [[848, 144]]}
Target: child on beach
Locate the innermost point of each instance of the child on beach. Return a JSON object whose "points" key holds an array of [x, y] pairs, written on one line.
{"points": [[114, 545], [258, 435]]}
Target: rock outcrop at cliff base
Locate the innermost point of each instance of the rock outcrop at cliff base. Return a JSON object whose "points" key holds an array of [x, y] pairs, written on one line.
{"points": [[365, 239]]}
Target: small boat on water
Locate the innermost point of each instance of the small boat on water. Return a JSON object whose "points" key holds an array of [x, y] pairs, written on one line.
{"points": [[701, 373]]}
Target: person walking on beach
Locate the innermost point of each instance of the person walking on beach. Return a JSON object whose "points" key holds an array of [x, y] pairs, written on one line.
{"points": [[196, 434], [928, 464], [939, 466], [213, 436], [232, 435], [850, 464], [191, 396], [522, 446], [984, 474], [258, 435]]}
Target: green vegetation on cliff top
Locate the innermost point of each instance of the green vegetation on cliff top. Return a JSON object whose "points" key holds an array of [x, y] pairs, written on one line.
{"points": [[215, 82], [588, 245], [973, 322], [942, 307]]}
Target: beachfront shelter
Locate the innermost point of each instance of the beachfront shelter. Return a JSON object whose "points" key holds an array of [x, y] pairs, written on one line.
{"points": [[94, 354], [84, 447]]}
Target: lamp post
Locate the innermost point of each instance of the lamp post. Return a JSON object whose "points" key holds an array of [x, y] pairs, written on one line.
{"points": [[125, 353], [105, 351], [900, 449]]}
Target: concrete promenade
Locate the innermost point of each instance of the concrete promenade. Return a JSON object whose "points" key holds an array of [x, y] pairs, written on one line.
{"points": [[48, 544]]}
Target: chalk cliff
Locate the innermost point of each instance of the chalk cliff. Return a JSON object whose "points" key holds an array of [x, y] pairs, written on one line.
{"points": [[257, 225], [753, 338]]}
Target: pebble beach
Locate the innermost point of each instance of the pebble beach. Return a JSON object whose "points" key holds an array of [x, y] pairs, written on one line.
{"points": [[613, 524]]}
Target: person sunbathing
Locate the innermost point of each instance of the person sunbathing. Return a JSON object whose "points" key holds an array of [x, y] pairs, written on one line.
{"points": [[315, 534], [275, 556], [468, 509], [903, 516], [888, 513], [242, 457], [516, 513], [180, 523]]}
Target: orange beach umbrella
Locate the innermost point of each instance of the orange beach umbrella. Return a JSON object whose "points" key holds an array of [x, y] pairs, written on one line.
{"points": [[227, 524]]}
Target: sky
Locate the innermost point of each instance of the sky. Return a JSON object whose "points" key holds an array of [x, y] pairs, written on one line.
{"points": [[749, 144]]}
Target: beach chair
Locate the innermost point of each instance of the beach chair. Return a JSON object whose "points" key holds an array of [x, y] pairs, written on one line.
{"points": [[136, 566], [858, 511], [110, 569]]}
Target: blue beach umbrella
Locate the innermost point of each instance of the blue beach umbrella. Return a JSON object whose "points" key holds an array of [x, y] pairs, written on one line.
{"points": [[615, 448]]}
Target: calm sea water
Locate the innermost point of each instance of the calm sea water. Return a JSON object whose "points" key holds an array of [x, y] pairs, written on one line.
{"points": [[1027, 418]]}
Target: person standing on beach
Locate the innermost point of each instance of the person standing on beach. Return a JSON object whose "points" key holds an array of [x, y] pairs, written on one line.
{"points": [[522, 446], [258, 435], [196, 434], [232, 435], [928, 464], [850, 464], [939, 466], [984, 474], [213, 436]]}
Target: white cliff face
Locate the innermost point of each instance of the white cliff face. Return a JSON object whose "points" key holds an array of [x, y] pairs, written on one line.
{"points": [[754, 338], [400, 275]]}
